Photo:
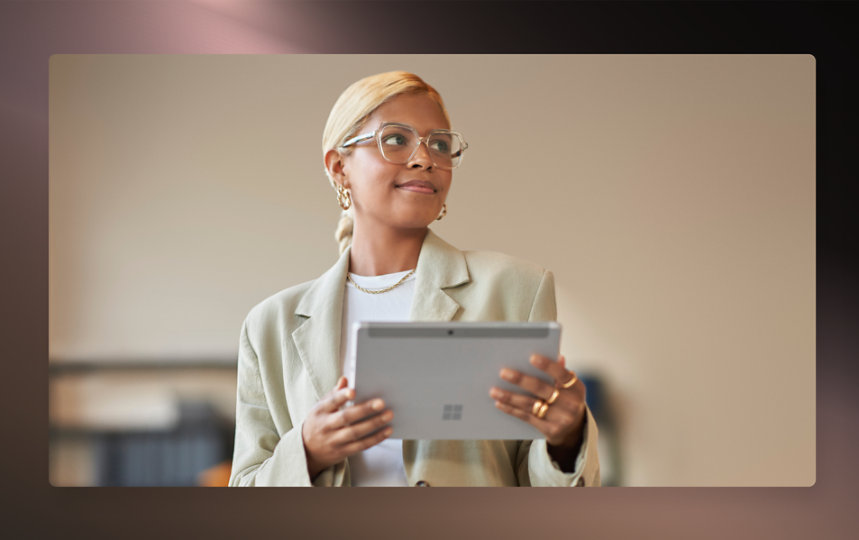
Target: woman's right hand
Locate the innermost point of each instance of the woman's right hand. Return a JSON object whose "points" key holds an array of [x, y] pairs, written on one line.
{"points": [[332, 432]]}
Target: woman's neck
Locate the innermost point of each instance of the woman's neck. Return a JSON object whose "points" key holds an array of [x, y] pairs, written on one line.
{"points": [[379, 251]]}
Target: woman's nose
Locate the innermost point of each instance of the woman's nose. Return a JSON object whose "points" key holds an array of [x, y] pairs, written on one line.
{"points": [[421, 156]]}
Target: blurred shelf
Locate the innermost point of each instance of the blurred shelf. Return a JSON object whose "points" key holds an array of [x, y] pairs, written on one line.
{"points": [[65, 367], [74, 432]]}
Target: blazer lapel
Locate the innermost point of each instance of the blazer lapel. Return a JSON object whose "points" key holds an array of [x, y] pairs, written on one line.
{"points": [[318, 338], [440, 266]]}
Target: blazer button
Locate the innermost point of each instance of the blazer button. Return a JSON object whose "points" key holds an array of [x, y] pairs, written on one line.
{"points": [[422, 483]]}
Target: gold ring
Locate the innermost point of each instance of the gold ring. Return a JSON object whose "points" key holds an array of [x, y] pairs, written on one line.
{"points": [[570, 383], [535, 409], [554, 396], [542, 412]]}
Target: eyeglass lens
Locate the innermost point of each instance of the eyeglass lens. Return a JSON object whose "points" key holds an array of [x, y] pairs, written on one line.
{"points": [[398, 143]]}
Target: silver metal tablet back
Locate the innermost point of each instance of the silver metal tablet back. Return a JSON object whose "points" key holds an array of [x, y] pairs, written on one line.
{"points": [[436, 377]]}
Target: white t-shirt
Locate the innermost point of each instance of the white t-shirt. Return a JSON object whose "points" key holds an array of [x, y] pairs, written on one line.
{"points": [[380, 465]]}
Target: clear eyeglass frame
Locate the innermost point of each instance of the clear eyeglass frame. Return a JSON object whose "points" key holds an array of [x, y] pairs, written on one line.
{"points": [[456, 158]]}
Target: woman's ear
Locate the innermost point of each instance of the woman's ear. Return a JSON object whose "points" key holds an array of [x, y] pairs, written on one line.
{"points": [[334, 166]]}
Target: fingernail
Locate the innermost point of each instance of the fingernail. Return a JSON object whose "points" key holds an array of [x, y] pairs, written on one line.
{"points": [[507, 374], [538, 361], [388, 431], [377, 404], [495, 393], [388, 416]]}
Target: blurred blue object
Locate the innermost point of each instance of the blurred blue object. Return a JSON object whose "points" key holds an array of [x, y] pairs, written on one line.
{"points": [[594, 395], [173, 457]]}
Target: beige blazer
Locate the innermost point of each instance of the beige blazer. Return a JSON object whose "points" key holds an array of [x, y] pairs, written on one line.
{"points": [[289, 357]]}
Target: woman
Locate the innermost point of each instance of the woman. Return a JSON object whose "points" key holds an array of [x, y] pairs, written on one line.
{"points": [[389, 153]]}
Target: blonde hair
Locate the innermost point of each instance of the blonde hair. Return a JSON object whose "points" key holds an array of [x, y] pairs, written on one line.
{"points": [[351, 110]]}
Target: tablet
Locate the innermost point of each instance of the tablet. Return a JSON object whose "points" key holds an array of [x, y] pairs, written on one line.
{"points": [[436, 377]]}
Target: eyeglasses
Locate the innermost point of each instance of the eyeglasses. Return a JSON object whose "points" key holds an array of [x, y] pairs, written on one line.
{"points": [[399, 143]]}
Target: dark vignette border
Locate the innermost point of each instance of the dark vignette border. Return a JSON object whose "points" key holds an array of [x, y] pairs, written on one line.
{"points": [[32, 31]]}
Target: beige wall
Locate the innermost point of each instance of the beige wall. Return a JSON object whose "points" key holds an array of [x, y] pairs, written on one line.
{"points": [[673, 197]]}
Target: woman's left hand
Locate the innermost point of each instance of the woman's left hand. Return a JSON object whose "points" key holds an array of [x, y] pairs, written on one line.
{"points": [[563, 417]]}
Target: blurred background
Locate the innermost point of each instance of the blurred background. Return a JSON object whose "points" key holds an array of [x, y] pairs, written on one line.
{"points": [[672, 196]]}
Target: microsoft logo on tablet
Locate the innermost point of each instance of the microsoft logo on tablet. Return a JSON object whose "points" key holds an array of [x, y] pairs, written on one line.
{"points": [[452, 412]]}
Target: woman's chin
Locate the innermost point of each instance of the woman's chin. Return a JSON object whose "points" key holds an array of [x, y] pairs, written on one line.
{"points": [[409, 219], [416, 223], [418, 219]]}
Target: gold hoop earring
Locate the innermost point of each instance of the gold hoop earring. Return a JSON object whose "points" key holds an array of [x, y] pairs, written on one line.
{"points": [[344, 198], [443, 212]]}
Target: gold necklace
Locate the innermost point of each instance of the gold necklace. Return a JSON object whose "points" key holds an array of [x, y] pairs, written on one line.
{"points": [[379, 291]]}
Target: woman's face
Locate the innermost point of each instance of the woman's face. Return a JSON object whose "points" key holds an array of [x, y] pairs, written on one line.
{"points": [[408, 195]]}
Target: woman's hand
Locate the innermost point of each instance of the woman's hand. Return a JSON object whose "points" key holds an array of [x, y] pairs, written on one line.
{"points": [[331, 432], [563, 417]]}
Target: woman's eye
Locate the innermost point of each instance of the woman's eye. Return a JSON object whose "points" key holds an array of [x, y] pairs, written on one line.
{"points": [[395, 139], [440, 146]]}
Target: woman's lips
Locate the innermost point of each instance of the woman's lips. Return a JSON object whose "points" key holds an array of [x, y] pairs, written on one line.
{"points": [[418, 186]]}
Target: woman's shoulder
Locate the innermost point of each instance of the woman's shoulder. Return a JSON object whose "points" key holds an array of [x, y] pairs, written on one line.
{"points": [[279, 304], [504, 287], [493, 264], [477, 264]]}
